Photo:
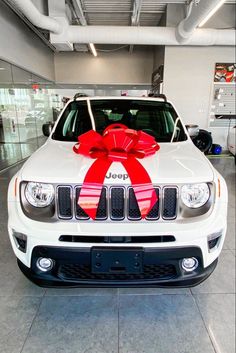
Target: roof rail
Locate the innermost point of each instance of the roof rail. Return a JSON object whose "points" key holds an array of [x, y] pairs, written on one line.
{"points": [[155, 95], [79, 95]]}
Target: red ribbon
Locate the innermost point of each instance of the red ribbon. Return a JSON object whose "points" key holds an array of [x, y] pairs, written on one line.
{"points": [[118, 144]]}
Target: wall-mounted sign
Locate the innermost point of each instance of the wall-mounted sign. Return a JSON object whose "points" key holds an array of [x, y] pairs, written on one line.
{"points": [[225, 72], [157, 76], [35, 86], [157, 80]]}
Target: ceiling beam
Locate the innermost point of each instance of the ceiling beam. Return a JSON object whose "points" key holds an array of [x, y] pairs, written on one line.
{"points": [[121, 11], [135, 17], [78, 8], [79, 12], [137, 5]]}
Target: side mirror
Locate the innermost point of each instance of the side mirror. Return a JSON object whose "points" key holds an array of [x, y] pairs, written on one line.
{"points": [[47, 129], [193, 130]]}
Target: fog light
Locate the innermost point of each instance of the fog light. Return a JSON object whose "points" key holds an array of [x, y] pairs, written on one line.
{"points": [[189, 264], [44, 264]]}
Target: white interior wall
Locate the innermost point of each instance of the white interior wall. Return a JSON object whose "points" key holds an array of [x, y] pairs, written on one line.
{"points": [[159, 57], [189, 72], [119, 67], [159, 50], [222, 19], [20, 46], [69, 93], [188, 83]]}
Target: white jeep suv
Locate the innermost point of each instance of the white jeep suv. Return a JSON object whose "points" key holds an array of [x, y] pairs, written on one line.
{"points": [[175, 243]]}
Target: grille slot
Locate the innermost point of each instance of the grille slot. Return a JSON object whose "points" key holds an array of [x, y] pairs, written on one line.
{"points": [[102, 206], [83, 272], [169, 203], [64, 202], [154, 213], [133, 209], [117, 203], [79, 211]]}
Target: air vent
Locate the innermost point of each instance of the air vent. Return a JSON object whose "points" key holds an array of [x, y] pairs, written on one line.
{"points": [[65, 202], [117, 203]]}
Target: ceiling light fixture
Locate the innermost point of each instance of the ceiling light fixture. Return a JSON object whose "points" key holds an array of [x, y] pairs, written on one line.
{"points": [[2, 68], [211, 13], [93, 50]]}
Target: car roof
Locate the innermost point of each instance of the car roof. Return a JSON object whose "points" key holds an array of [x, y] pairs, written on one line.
{"points": [[157, 99]]}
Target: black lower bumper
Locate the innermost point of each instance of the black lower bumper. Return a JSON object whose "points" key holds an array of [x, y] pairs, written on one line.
{"points": [[73, 267]]}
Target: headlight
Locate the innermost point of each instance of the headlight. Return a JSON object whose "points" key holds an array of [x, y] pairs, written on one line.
{"points": [[39, 194], [195, 195]]}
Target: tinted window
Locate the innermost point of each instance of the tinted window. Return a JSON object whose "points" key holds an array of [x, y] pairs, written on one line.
{"points": [[158, 119]]}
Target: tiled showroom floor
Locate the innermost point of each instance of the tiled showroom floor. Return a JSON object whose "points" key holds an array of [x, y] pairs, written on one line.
{"points": [[197, 320]]}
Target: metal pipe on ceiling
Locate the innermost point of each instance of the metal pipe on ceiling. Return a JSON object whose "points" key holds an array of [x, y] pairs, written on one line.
{"points": [[136, 35], [34, 15], [198, 12], [146, 35]]}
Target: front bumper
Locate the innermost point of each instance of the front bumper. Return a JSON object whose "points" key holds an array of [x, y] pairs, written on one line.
{"points": [[72, 268]]}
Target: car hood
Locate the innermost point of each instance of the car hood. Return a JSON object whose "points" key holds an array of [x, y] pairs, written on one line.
{"points": [[179, 162]]}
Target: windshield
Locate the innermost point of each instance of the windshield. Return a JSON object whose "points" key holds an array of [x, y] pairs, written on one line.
{"points": [[158, 119]]}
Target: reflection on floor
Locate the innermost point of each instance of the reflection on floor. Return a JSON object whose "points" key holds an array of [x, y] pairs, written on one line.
{"points": [[101, 320], [11, 153]]}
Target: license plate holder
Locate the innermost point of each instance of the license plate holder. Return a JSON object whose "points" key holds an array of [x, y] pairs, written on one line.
{"points": [[116, 260]]}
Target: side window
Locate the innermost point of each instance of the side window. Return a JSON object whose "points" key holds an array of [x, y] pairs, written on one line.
{"points": [[179, 133], [169, 122], [69, 126]]}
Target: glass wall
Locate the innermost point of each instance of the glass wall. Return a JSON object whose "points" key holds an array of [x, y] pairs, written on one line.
{"points": [[26, 103]]}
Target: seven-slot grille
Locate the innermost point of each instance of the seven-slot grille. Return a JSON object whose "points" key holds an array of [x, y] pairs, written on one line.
{"points": [[117, 203]]}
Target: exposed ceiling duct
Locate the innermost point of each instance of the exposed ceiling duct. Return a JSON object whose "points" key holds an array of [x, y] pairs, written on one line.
{"points": [[198, 11], [38, 19], [186, 32], [145, 35]]}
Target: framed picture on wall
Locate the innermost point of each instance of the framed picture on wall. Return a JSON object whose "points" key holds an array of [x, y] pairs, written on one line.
{"points": [[225, 72]]}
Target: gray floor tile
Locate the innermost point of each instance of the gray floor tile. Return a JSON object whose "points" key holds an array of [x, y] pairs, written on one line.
{"points": [[230, 236], [24, 287], [163, 324], [13, 282], [231, 216], [218, 312], [16, 317], [222, 280], [153, 291], [152, 320], [75, 325], [81, 291]]}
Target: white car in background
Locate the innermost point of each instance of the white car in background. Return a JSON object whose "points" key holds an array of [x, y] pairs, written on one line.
{"points": [[232, 141], [178, 241]]}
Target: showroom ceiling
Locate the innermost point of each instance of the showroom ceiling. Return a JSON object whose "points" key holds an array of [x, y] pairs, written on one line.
{"points": [[140, 15], [105, 12], [126, 12]]}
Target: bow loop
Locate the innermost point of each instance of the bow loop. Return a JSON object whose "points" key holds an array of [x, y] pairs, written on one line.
{"points": [[118, 138], [88, 143]]}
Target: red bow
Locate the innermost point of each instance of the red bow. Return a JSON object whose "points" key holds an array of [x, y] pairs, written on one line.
{"points": [[118, 144]]}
